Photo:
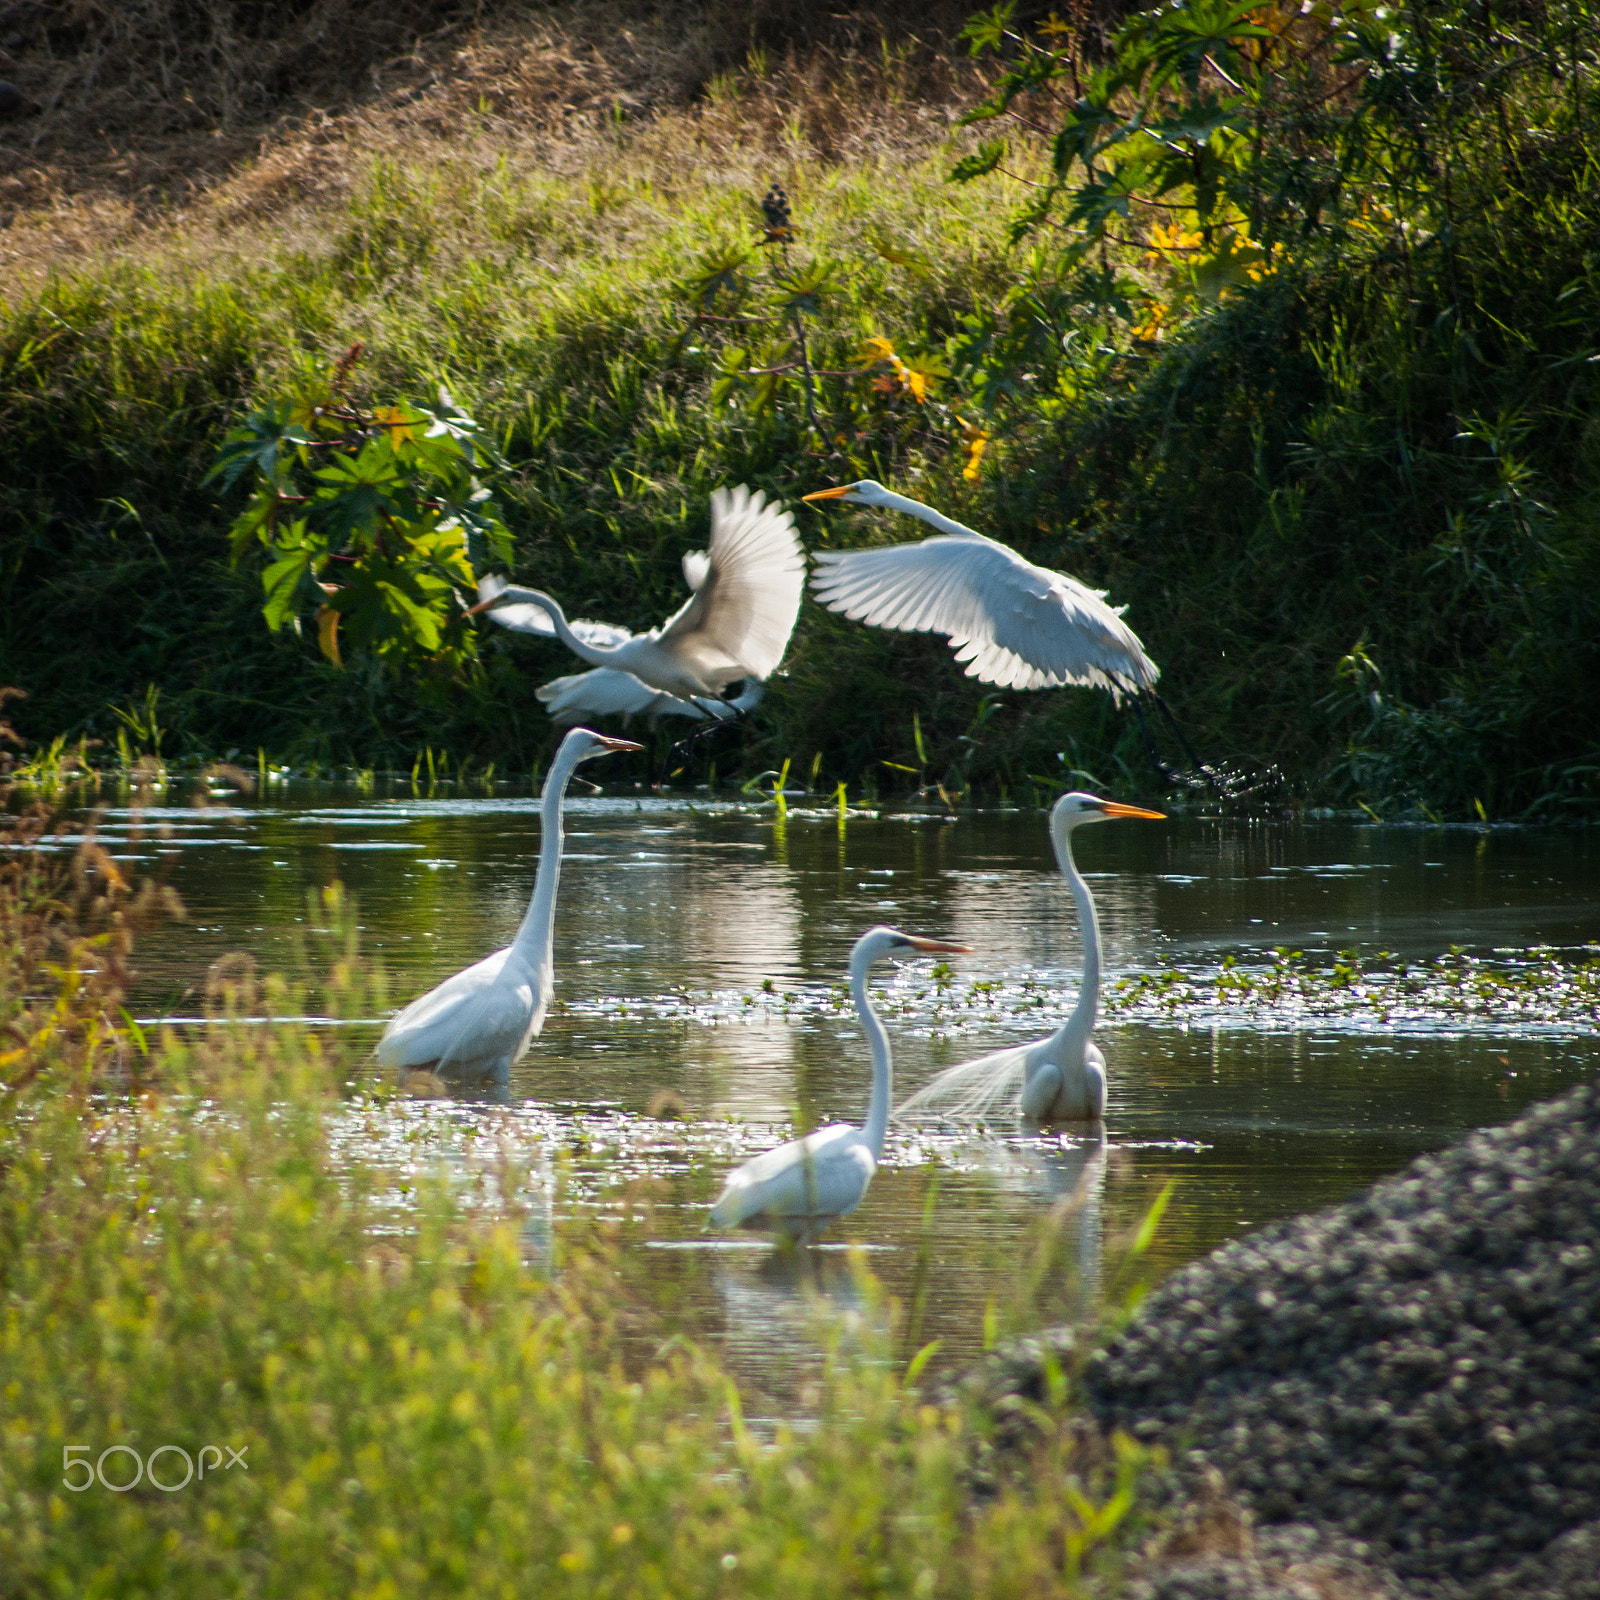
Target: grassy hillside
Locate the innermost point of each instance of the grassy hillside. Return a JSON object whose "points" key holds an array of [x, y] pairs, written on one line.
{"points": [[1347, 502]]}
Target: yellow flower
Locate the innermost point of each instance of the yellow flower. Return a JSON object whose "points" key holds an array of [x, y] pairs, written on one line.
{"points": [[976, 441], [1154, 320]]}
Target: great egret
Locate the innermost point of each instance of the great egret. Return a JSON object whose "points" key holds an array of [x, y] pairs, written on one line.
{"points": [[1014, 624], [609, 692], [1062, 1078], [477, 1023], [799, 1187], [736, 624]]}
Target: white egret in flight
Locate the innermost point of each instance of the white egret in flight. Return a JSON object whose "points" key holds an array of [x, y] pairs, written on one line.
{"points": [[736, 624], [1014, 624], [1062, 1078], [609, 692], [476, 1024], [801, 1186]]}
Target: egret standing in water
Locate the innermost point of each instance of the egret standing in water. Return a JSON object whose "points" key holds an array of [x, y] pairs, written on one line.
{"points": [[476, 1024], [735, 624], [1014, 624], [1062, 1078], [801, 1186]]}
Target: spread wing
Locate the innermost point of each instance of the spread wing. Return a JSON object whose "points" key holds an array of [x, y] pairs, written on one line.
{"points": [[609, 692], [528, 616], [1014, 624], [745, 606]]}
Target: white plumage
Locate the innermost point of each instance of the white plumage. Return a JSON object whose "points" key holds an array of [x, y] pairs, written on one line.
{"points": [[528, 616], [475, 1025], [1012, 623], [1059, 1079], [746, 588], [609, 692], [802, 1185]]}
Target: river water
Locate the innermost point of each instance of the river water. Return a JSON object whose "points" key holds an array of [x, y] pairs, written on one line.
{"points": [[699, 950]]}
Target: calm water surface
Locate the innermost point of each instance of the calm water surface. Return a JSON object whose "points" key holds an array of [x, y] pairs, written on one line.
{"points": [[681, 927]]}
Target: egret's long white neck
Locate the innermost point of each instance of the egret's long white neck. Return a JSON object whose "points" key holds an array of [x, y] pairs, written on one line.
{"points": [[1080, 1024], [534, 937], [937, 519], [878, 1042], [595, 655]]}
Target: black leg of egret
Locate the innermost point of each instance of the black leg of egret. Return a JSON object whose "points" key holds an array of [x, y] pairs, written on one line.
{"points": [[1150, 745], [1227, 780], [1197, 775], [684, 748], [1172, 722], [730, 712]]}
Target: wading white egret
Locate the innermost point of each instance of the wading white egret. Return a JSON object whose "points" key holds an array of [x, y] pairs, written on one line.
{"points": [[735, 624], [476, 1024], [1014, 624], [608, 692], [801, 1186], [1062, 1078]]}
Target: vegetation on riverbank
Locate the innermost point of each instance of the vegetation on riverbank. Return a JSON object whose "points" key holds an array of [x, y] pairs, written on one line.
{"points": [[1343, 479], [228, 1371]]}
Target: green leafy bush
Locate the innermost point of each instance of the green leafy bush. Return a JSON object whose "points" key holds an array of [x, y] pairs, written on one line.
{"points": [[372, 519]]}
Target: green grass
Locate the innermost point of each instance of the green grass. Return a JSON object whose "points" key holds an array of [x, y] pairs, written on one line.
{"points": [[421, 1410], [1350, 509], [549, 307]]}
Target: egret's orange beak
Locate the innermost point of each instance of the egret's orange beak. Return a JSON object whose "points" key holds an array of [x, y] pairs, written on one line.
{"points": [[830, 494], [1115, 808], [482, 605], [618, 744], [935, 946]]}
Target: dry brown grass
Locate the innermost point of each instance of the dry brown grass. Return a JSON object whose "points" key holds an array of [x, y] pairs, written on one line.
{"points": [[187, 108]]}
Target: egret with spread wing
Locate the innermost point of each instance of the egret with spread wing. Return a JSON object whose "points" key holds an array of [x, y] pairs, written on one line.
{"points": [[1014, 624], [476, 1024], [608, 692], [1062, 1078], [736, 624], [801, 1186]]}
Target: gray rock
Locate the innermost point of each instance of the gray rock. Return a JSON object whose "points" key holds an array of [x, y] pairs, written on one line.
{"points": [[1417, 1371]]}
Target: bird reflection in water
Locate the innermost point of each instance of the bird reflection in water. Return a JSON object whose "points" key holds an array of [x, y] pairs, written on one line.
{"points": [[795, 1298]]}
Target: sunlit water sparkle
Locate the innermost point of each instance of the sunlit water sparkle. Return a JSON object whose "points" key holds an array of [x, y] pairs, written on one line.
{"points": [[700, 953]]}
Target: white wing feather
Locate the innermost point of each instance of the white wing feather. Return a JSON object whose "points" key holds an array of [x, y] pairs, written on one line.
{"points": [[610, 692], [745, 607], [1014, 624], [971, 1092], [822, 1175], [481, 1019], [527, 616]]}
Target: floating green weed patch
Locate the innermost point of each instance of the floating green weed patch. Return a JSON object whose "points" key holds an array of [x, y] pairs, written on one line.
{"points": [[1541, 987]]}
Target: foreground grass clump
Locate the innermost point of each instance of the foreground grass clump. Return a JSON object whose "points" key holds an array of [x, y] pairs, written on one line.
{"points": [[188, 1280]]}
